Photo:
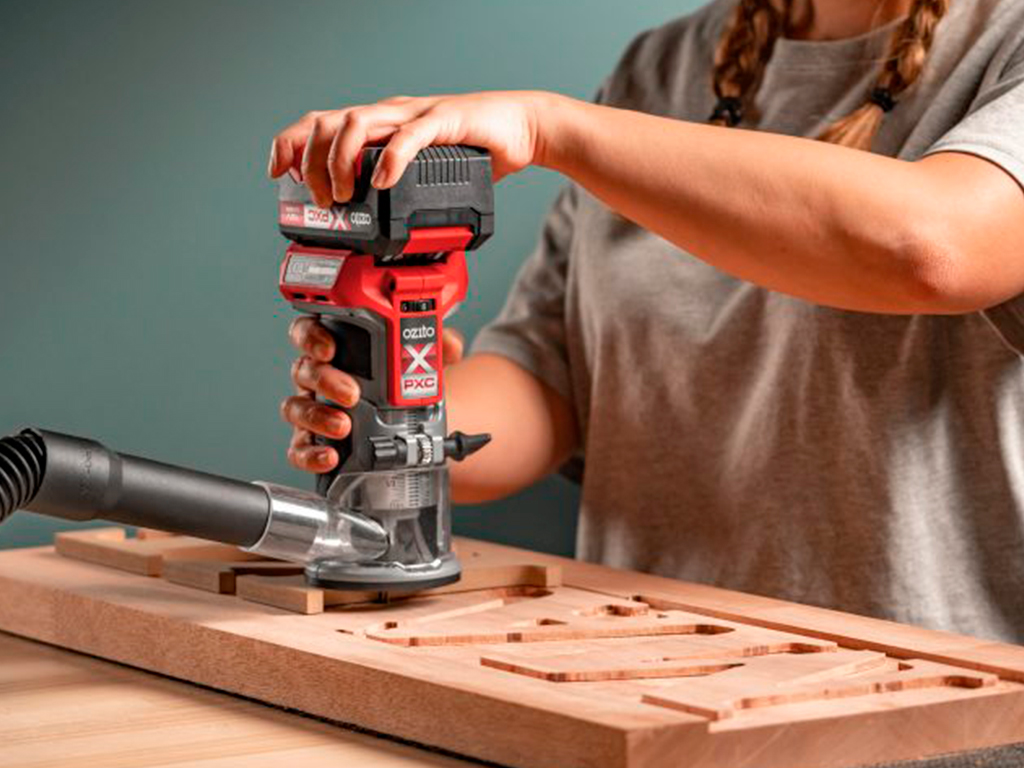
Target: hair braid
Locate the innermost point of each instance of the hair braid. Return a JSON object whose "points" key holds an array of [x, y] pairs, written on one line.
{"points": [[742, 54], [908, 52], [749, 38]]}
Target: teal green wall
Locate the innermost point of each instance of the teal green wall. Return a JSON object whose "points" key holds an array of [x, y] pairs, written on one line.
{"points": [[138, 250]]}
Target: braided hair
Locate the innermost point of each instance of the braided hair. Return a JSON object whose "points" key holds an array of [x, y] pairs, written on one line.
{"points": [[743, 53], [748, 40]]}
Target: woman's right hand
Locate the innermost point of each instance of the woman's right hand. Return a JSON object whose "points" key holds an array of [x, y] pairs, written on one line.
{"points": [[321, 148], [314, 376]]}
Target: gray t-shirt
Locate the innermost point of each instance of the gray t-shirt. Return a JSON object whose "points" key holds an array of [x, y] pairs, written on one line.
{"points": [[735, 436]]}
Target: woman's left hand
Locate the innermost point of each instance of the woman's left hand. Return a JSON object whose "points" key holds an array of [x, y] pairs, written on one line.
{"points": [[322, 147]]}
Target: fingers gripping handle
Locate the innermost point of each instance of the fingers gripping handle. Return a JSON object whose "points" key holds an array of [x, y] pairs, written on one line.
{"points": [[354, 354]]}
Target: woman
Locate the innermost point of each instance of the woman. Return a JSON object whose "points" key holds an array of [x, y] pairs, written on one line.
{"points": [[786, 340]]}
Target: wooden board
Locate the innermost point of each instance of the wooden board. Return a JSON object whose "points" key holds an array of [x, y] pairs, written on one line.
{"points": [[532, 660]]}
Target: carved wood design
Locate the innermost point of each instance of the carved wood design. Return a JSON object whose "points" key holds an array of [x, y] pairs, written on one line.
{"points": [[790, 679], [712, 645]]}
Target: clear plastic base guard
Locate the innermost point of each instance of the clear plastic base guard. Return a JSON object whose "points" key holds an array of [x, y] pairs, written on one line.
{"points": [[375, 531], [413, 508]]}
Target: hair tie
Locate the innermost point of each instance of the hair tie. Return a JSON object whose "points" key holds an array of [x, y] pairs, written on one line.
{"points": [[882, 97], [730, 109]]}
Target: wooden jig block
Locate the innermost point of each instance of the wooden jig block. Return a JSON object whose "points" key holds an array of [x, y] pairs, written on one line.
{"points": [[146, 556], [221, 576]]}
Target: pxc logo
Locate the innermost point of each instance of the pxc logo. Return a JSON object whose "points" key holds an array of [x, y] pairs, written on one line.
{"points": [[324, 218], [419, 386], [419, 377], [419, 358], [337, 218]]}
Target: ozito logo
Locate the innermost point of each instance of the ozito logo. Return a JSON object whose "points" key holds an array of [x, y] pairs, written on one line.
{"points": [[418, 328], [422, 332], [419, 377], [360, 219]]}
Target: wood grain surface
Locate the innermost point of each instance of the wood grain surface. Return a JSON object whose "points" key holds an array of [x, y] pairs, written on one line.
{"points": [[60, 709], [595, 668]]}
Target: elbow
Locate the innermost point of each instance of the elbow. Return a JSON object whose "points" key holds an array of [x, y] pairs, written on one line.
{"points": [[933, 273]]}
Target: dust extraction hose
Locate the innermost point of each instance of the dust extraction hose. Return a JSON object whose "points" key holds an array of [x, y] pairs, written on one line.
{"points": [[76, 479]]}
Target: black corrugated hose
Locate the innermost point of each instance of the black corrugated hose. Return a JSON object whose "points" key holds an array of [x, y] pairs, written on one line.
{"points": [[22, 465]]}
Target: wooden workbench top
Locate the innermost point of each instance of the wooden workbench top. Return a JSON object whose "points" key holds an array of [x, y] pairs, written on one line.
{"points": [[59, 708]]}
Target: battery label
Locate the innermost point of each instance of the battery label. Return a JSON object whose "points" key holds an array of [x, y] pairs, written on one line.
{"points": [[312, 271], [339, 218], [420, 347]]}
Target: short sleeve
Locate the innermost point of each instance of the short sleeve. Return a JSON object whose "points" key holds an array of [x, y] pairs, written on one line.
{"points": [[530, 330], [993, 129], [994, 126]]}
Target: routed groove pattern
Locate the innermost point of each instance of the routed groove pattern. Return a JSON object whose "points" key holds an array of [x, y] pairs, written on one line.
{"points": [[22, 464]]}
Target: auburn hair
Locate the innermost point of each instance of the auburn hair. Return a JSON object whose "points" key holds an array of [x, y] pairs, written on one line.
{"points": [[746, 46]]}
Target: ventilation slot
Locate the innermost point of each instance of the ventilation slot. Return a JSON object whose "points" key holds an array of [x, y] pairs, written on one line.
{"points": [[437, 166]]}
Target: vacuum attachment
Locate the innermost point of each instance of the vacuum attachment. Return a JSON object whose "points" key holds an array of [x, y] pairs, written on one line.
{"points": [[76, 479]]}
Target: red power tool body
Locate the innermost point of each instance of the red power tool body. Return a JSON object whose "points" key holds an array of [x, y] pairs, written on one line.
{"points": [[413, 300], [382, 272]]}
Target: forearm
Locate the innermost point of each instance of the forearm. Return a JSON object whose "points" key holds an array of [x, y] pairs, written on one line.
{"points": [[831, 225], [532, 428]]}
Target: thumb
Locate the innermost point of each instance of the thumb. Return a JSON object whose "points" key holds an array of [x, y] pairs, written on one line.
{"points": [[452, 346]]}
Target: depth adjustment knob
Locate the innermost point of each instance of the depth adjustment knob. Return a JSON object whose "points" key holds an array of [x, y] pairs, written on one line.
{"points": [[388, 452], [425, 448], [415, 450], [420, 450]]}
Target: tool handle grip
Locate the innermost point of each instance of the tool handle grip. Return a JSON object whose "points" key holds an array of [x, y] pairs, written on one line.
{"points": [[353, 354]]}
